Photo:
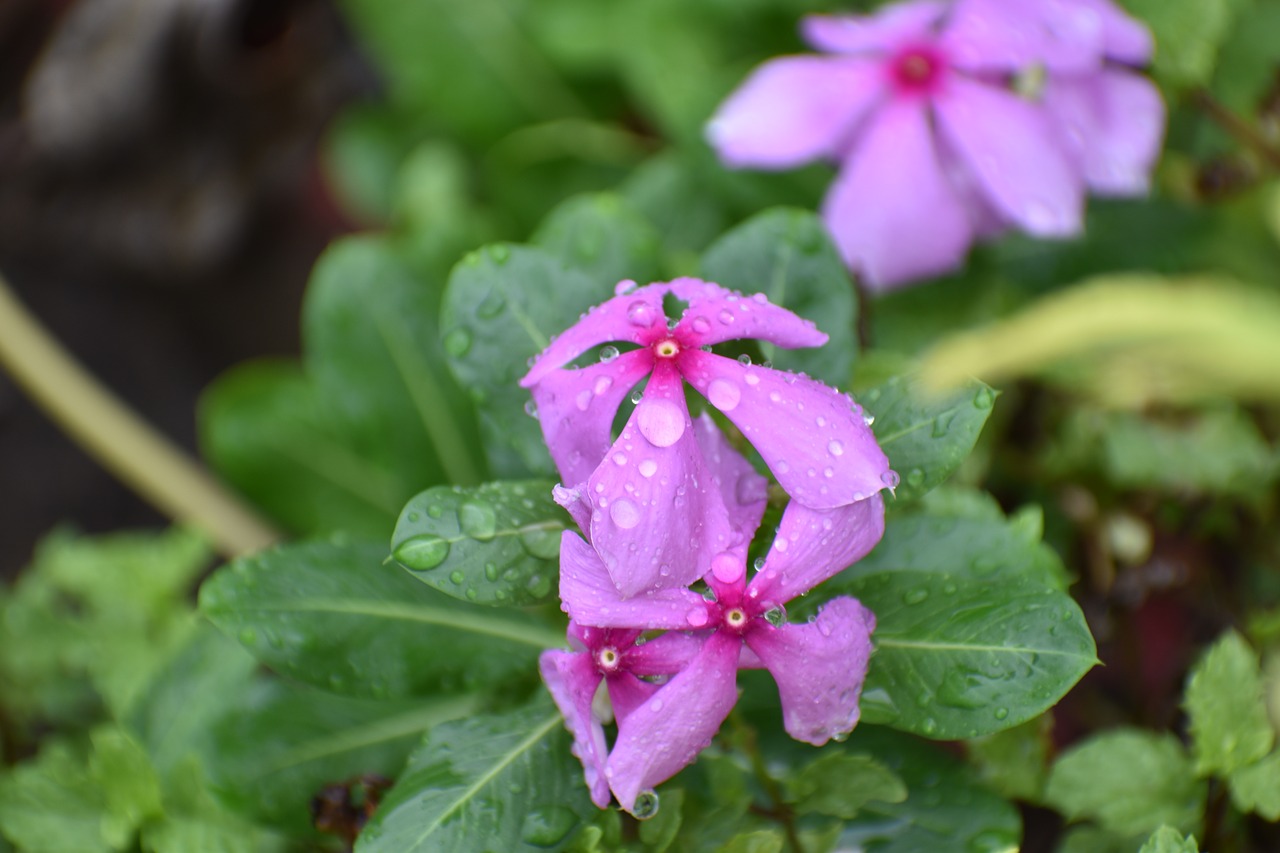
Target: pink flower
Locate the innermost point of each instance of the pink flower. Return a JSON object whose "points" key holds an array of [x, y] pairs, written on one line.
{"points": [[651, 505], [819, 666], [935, 148]]}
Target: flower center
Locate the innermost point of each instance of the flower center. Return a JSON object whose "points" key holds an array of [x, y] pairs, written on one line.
{"points": [[917, 69], [735, 618], [608, 659], [666, 348]]}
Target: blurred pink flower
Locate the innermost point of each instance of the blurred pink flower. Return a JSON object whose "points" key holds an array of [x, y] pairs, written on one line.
{"points": [[918, 105]]}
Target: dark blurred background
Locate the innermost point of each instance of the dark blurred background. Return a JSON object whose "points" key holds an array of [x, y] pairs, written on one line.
{"points": [[160, 207]]}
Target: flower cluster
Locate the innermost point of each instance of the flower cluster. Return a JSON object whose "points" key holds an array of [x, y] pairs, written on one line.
{"points": [[670, 504], [953, 121]]}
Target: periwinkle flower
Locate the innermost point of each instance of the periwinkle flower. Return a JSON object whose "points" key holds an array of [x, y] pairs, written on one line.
{"points": [[936, 148], [819, 666], [652, 509]]}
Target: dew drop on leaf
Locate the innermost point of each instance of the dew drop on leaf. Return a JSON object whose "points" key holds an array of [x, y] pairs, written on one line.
{"points": [[457, 342], [547, 826], [422, 552], [478, 520]]}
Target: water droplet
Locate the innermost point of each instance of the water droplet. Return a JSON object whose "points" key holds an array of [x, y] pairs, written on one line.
{"points": [[624, 513], [725, 316], [646, 805], [835, 448], [661, 422], [983, 398], [942, 423], [248, 637], [608, 354], [636, 397], [776, 616], [499, 253], [890, 479], [744, 360], [619, 458], [602, 384], [491, 306], [478, 520], [780, 544], [1001, 713], [697, 617], [915, 478], [624, 287], [457, 576], [640, 314], [547, 826], [491, 571], [531, 408], [583, 400], [915, 596], [422, 552], [543, 543], [457, 342], [648, 468], [724, 395], [701, 325], [727, 568], [869, 420]]}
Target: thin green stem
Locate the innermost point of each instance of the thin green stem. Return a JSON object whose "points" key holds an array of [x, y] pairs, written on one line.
{"points": [[124, 444]]}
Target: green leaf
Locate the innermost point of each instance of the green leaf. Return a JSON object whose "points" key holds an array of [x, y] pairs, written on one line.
{"points": [[502, 306], [279, 745], [840, 785], [1229, 726], [262, 427], [672, 193], [494, 544], [957, 657], [1188, 34], [53, 804], [759, 841], [1256, 788], [1091, 839], [1167, 839], [336, 615], [196, 821], [1128, 780], [1130, 339], [130, 790], [370, 332], [1015, 762], [945, 809], [926, 435], [507, 777], [787, 255], [979, 549], [604, 237]]}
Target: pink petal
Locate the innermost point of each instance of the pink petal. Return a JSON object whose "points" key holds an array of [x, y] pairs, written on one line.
{"points": [[716, 314], [891, 26], [1020, 161], [576, 410], [572, 679], [794, 109], [576, 505], [664, 655], [589, 596], [626, 693], [809, 435], [1113, 123], [892, 210], [1012, 35], [814, 544], [635, 316], [656, 520], [745, 492], [1125, 38], [819, 667], [665, 734]]}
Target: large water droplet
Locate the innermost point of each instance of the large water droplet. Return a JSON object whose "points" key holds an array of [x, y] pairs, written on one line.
{"points": [[661, 422], [543, 543], [640, 314], [478, 520], [744, 360], [624, 513], [725, 316], [983, 398], [422, 552], [697, 617], [890, 479], [727, 568], [547, 826], [608, 354], [457, 342], [648, 468], [646, 805], [724, 395], [701, 325]]}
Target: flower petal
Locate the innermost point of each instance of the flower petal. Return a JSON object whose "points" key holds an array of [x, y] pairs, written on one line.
{"points": [[589, 596], [889, 28], [811, 436], [576, 505], [635, 316], [1020, 161], [664, 655], [892, 210], [1113, 122], [745, 493], [819, 666], [572, 679], [814, 544], [576, 410], [1125, 38], [1012, 35], [794, 109], [656, 517], [626, 693], [716, 314], [665, 734]]}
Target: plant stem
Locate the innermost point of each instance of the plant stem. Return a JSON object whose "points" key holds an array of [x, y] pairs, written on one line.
{"points": [[1243, 132], [124, 444]]}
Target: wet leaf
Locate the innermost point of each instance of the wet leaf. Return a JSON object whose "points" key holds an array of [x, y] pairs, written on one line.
{"points": [[494, 544]]}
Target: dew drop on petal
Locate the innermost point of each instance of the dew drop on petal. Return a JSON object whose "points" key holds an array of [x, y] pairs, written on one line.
{"points": [[624, 513], [751, 379], [602, 384], [835, 448], [890, 479], [726, 316], [640, 314], [624, 287], [648, 468], [619, 458], [661, 422], [780, 544], [701, 325], [608, 354], [724, 395], [744, 360], [583, 400], [697, 617], [727, 568]]}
